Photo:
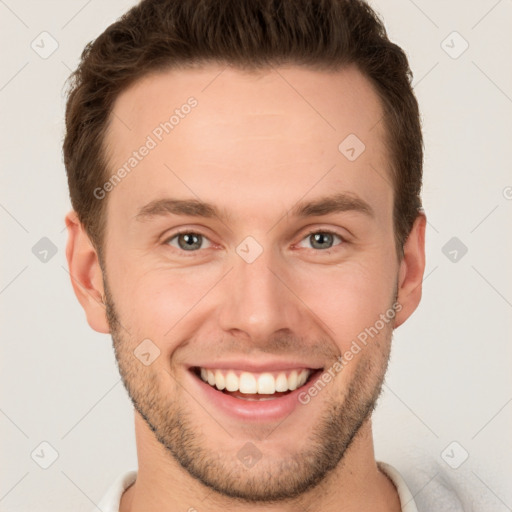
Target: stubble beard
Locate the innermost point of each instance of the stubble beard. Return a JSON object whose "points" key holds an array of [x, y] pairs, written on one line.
{"points": [[271, 480]]}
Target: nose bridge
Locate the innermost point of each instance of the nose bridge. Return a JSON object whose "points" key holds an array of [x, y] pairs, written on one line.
{"points": [[256, 301]]}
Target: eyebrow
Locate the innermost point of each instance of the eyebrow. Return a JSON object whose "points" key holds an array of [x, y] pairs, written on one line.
{"points": [[336, 203]]}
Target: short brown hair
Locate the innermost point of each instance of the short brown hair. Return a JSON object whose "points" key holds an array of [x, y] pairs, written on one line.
{"points": [[156, 35]]}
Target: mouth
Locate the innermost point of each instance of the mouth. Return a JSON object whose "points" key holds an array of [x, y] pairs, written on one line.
{"points": [[255, 386], [255, 396]]}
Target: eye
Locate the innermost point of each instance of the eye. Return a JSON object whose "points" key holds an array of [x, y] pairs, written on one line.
{"points": [[190, 241], [322, 239], [187, 241]]}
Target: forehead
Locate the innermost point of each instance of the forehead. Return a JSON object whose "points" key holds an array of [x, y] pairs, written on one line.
{"points": [[243, 139]]}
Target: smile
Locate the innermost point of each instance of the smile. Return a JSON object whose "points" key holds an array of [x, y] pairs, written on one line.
{"points": [[248, 383], [255, 396]]}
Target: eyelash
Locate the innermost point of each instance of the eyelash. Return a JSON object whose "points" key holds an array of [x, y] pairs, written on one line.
{"points": [[313, 232]]}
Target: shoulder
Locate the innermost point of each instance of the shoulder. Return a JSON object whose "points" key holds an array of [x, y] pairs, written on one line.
{"points": [[425, 489], [112, 498]]}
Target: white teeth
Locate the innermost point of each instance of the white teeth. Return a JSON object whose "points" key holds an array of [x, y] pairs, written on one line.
{"points": [[248, 383], [220, 382], [232, 383], [302, 378], [292, 380], [281, 383], [266, 384]]}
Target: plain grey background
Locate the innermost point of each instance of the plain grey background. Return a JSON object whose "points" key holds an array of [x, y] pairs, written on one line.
{"points": [[448, 392]]}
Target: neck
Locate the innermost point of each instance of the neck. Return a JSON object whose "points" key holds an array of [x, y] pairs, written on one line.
{"points": [[162, 485]]}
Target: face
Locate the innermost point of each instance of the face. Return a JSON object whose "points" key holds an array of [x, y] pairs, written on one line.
{"points": [[288, 268]]}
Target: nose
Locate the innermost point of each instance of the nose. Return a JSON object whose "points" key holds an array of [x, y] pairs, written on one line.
{"points": [[258, 299]]}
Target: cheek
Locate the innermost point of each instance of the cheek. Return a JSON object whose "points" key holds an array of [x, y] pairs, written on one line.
{"points": [[158, 299], [159, 303], [349, 299]]}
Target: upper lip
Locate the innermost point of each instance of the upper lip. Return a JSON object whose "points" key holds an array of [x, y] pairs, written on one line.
{"points": [[256, 366]]}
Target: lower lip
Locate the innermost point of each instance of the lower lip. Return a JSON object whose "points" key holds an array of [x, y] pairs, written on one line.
{"points": [[274, 409]]}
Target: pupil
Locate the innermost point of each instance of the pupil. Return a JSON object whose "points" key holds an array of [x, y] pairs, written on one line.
{"points": [[322, 238], [190, 241]]}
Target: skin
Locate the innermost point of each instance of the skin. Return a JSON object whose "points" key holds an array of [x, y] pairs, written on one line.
{"points": [[254, 147]]}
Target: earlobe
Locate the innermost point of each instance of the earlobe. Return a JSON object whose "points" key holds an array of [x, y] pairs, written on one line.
{"points": [[86, 273], [412, 268]]}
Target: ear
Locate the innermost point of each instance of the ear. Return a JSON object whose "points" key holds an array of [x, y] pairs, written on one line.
{"points": [[412, 268], [86, 274]]}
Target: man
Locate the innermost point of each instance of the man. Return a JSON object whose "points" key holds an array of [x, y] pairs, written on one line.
{"points": [[245, 179]]}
